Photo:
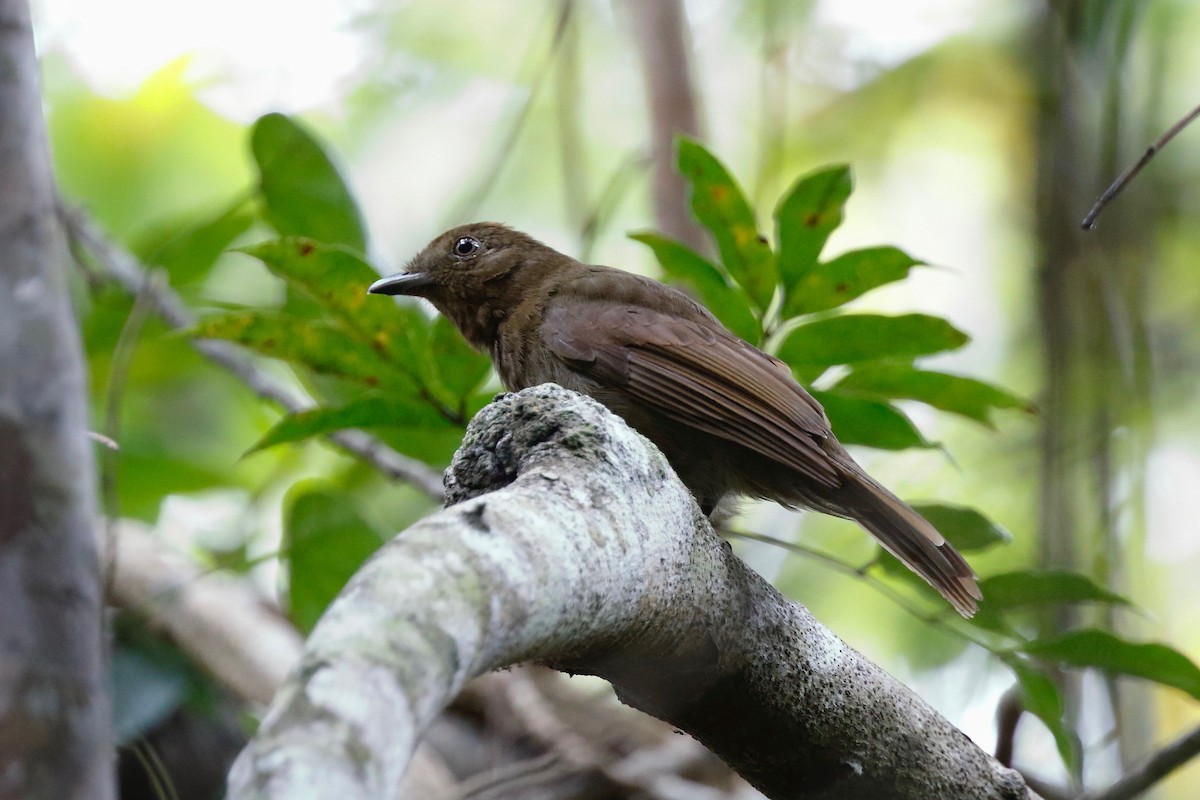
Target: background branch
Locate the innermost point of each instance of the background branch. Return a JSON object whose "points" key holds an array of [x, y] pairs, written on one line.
{"points": [[1160, 764], [218, 620], [1117, 186], [661, 36]]}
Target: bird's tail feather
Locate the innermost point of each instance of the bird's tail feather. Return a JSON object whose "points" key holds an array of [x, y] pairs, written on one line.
{"points": [[911, 538]]}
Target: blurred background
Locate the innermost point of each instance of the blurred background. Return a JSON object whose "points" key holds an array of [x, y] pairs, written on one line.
{"points": [[979, 132]]}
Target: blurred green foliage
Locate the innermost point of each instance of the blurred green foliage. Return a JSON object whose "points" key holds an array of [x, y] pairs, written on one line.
{"points": [[325, 540]]}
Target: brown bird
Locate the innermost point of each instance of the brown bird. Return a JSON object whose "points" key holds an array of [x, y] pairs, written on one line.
{"points": [[729, 418]]}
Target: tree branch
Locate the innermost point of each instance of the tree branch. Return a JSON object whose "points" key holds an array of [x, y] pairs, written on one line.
{"points": [[132, 276], [226, 628], [217, 620], [572, 543]]}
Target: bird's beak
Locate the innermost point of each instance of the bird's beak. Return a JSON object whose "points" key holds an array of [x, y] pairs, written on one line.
{"points": [[413, 283]]}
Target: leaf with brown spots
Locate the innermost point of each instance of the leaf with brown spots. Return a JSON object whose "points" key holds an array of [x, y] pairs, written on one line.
{"points": [[337, 279], [808, 213], [833, 283], [721, 207], [320, 346]]}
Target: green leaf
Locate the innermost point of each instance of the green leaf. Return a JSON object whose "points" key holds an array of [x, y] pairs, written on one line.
{"points": [[1040, 697], [967, 397], [149, 471], [369, 412], [333, 275], [302, 191], [187, 256], [325, 541], [854, 338], [965, 528], [1104, 651], [318, 345], [434, 444], [869, 422], [459, 366], [1024, 588], [721, 207], [337, 279], [685, 266], [850, 275], [808, 213]]}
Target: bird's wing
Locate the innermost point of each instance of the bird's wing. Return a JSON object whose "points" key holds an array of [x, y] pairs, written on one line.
{"points": [[696, 374]]}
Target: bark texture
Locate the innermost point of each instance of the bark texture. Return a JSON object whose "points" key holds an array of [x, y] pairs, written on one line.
{"points": [[54, 711], [570, 542]]}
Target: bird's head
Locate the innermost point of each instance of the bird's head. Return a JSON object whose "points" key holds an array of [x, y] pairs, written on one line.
{"points": [[474, 274]]}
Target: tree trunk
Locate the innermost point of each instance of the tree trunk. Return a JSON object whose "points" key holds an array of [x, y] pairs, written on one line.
{"points": [[661, 36], [54, 707]]}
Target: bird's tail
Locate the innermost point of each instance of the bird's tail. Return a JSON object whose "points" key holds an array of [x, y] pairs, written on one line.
{"points": [[911, 538]]}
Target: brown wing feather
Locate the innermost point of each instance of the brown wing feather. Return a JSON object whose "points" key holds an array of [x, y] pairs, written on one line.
{"points": [[698, 375]]}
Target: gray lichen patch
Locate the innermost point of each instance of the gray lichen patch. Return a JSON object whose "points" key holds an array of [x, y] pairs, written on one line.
{"points": [[542, 424]]}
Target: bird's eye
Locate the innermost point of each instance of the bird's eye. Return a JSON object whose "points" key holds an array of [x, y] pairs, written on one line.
{"points": [[466, 247]]}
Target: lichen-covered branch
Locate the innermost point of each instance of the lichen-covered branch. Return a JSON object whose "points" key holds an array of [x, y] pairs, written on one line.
{"points": [[571, 542]]}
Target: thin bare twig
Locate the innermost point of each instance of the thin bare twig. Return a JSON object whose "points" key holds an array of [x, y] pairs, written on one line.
{"points": [[1089, 222], [568, 102], [1161, 763], [127, 271], [615, 190], [1008, 715], [155, 770], [1153, 769], [512, 779], [114, 392]]}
